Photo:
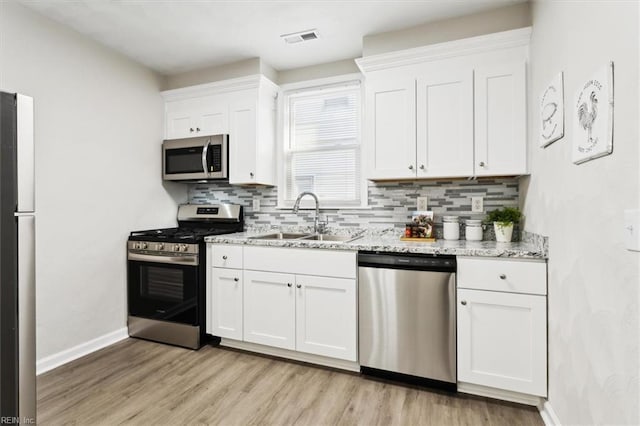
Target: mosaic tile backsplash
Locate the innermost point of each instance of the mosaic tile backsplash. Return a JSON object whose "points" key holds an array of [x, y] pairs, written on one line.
{"points": [[390, 203]]}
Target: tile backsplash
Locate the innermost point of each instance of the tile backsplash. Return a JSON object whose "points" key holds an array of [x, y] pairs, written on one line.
{"points": [[390, 203]]}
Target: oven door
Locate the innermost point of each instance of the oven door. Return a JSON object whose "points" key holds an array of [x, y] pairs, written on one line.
{"points": [[195, 158], [163, 291]]}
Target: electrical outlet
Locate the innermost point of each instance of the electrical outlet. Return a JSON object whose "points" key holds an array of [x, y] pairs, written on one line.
{"points": [[477, 204], [256, 204], [422, 204]]}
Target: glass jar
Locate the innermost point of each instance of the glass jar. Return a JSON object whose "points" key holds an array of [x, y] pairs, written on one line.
{"points": [[473, 230], [451, 225]]}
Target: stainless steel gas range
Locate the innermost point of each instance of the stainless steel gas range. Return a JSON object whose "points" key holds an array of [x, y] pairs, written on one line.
{"points": [[166, 274]]}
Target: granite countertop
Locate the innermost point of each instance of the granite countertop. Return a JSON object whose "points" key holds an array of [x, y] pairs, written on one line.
{"points": [[388, 240]]}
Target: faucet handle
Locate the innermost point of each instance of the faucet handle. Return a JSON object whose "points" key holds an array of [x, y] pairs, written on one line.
{"points": [[322, 223]]}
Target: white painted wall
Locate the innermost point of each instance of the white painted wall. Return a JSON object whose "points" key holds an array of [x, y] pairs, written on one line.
{"points": [[492, 21], [593, 279], [98, 127]]}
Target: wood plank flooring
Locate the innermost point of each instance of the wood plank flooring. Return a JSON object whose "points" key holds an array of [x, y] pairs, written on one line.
{"points": [[143, 383]]}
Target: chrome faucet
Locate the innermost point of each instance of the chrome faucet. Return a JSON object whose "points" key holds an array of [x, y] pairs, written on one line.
{"points": [[318, 225]]}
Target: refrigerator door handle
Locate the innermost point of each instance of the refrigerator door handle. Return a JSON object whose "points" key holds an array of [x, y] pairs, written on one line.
{"points": [[25, 154], [26, 317]]}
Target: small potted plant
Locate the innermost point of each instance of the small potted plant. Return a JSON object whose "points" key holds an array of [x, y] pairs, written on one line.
{"points": [[503, 220]]}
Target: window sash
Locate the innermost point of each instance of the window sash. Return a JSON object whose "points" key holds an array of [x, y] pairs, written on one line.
{"points": [[307, 144]]}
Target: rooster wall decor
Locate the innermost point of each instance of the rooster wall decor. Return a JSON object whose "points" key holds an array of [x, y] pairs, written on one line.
{"points": [[552, 111], [593, 119]]}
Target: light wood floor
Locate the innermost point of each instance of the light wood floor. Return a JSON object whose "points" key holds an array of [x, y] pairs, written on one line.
{"points": [[139, 382]]}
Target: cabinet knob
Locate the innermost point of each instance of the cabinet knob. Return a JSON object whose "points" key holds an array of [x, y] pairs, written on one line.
{"points": [[503, 277], [298, 285], [191, 129], [463, 303], [411, 167], [224, 257], [481, 164], [422, 167], [236, 279], [250, 174], [288, 284], [197, 129]]}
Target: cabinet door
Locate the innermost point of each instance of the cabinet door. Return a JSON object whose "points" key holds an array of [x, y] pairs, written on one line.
{"points": [[213, 117], [269, 309], [502, 340], [180, 125], [390, 142], [242, 142], [326, 316], [226, 303], [445, 124], [500, 120]]}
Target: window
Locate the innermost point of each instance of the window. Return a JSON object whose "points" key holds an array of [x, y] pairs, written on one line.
{"points": [[322, 128]]}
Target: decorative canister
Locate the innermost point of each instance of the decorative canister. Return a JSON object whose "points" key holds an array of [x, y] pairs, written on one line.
{"points": [[451, 225], [473, 230]]}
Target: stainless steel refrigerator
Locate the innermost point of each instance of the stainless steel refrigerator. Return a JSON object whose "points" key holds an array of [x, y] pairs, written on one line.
{"points": [[17, 261]]}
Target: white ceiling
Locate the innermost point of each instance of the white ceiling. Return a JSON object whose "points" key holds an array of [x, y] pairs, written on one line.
{"points": [[171, 36]]}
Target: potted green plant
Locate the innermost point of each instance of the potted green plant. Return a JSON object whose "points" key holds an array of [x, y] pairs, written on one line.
{"points": [[503, 220]]}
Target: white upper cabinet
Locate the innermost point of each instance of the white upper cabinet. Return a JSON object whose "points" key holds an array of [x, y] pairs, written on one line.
{"points": [[501, 126], [204, 116], [390, 129], [454, 109], [244, 108], [445, 123]]}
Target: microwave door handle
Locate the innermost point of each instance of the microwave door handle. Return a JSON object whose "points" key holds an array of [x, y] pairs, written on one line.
{"points": [[205, 149]]}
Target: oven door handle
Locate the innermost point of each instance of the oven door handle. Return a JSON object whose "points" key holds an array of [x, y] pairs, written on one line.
{"points": [[175, 260], [205, 163]]}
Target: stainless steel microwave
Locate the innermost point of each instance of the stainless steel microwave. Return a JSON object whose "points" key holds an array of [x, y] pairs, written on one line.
{"points": [[193, 159]]}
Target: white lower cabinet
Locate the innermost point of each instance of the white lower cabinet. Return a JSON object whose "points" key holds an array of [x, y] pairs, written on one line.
{"points": [[225, 301], [282, 307], [270, 312], [502, 340], [326, 317], [502, 325]]}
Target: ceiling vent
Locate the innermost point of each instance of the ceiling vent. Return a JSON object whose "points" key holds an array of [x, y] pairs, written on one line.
{"points": [[300, 36]]}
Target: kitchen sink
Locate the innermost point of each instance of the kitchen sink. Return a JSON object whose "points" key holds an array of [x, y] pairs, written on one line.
{"points": [[332, 238], [279, 236]]}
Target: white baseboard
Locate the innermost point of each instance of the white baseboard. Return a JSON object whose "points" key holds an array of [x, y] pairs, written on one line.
{"points": [[294, 355], [549, 417], [504, 395], [52, 361]]}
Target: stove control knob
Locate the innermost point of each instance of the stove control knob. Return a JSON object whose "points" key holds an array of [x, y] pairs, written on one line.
{"points": [[184, 247], [144, 245], [161, 246], [176, 247], [136, 245]]}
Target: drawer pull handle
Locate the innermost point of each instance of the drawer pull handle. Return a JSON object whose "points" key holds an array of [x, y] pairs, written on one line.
{"points": [[236, 279], [224, 257], [503, 277], [288, 284], [463, 303], [299, 285]]}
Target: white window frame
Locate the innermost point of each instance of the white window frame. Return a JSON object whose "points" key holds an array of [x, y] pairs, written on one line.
{"points": [[286, 90]]}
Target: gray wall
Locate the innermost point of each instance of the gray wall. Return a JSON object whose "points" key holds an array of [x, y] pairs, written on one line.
{"points": [[98, 129], [593, 279], [502, 19]]}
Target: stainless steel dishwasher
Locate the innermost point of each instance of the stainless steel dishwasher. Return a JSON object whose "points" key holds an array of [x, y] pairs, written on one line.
{"points": [[407, 317]]}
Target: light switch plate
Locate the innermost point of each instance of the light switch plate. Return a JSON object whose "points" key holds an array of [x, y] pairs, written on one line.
{"points": [[632, 229], [477, 204], [422, 204], [256, 204]]}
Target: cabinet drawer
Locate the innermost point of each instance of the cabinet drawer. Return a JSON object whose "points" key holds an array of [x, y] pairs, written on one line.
{"points": [[327, 263], [514, 276], [226, 256]]}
